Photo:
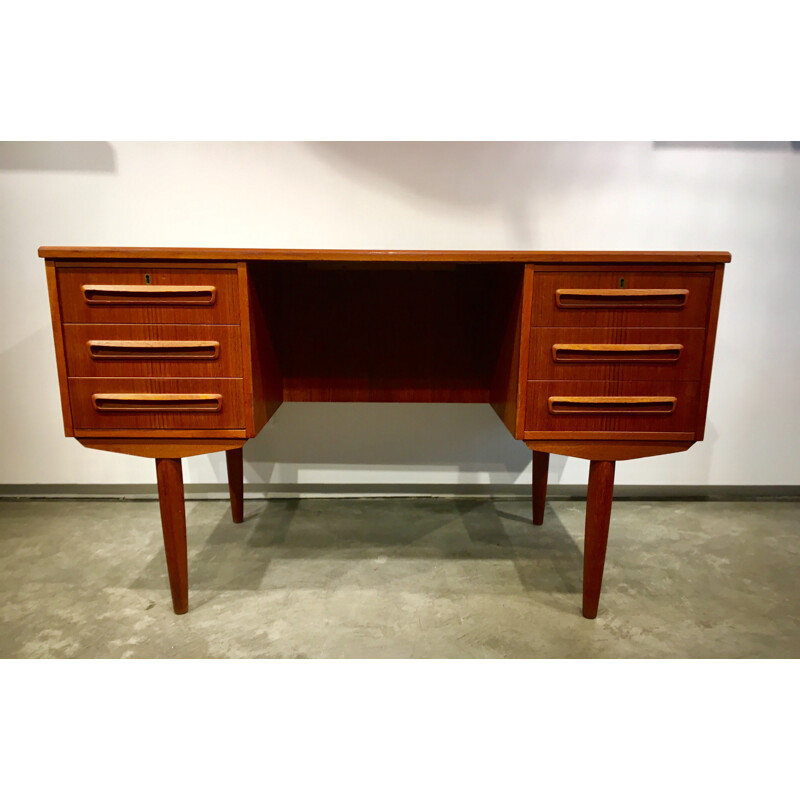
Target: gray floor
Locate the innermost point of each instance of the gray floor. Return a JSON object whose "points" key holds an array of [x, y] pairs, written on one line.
{"points": [[400, 578]]}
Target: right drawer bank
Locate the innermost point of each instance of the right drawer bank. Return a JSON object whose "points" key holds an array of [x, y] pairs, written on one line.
{"points": [[617, 353]]}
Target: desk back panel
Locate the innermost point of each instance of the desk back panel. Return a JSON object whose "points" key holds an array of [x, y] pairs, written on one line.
{"points": [[409, 333]]}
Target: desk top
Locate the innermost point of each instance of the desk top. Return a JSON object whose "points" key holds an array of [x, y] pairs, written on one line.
{"points": [[461, 256]]}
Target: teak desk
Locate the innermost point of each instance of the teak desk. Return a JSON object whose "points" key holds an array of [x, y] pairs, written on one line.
{"points": [[170, 352]]}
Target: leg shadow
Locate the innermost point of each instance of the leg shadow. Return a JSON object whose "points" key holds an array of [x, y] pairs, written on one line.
{"points": [[546, 557]]}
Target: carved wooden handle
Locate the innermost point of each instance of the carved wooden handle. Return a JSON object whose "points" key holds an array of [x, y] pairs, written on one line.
{"points": [[658, 353], [157, 402], [138, 350], [121, 295], [621, 298], [611, 405]]}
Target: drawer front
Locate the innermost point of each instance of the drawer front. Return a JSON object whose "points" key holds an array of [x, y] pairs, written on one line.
{"points": [[613, 354], [157, 403], [612, 406], [153, 351], [621, 298], [148, 294]]}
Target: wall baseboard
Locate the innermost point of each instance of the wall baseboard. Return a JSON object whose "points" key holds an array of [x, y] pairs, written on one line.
{"points": [[213, 491]]}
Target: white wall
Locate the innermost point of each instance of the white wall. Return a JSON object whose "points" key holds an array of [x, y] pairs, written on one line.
{"points": [[622, 196]]}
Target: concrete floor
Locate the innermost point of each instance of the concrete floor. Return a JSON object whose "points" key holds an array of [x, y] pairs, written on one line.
{"points": [[400, 578]]}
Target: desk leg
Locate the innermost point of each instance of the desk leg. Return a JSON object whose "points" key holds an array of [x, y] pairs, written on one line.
{"points": [[236, 482], [598, 515], [541, 462], [173, 523]]}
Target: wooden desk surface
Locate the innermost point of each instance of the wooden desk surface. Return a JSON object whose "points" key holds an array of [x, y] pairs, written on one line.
{"points": [[462, 256]]}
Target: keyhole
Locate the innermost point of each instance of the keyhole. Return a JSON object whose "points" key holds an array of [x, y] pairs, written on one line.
{"points": [[147, 278], [622, 283]]}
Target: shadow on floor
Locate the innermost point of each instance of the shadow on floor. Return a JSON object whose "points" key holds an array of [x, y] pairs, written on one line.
{"points": [[320, 544]]}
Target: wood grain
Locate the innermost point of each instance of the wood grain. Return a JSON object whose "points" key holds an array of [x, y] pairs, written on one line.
{"points": [[611, 405], [235, 466], [160, 448], [693, 314], [230, 414], [541, 462], [245, 337], [614, 354], [150, 403], [621, 298], [153, 351], [667, 265], [476, 256], [258, 318], [58, 340], [524, 355], [173, 525], [223, 311], [708, 360], [598, 516], [390, 336], [608, 450], [592, 436], [504, 388], [637, 353], [163, 434], [540, 415], [133, 295]]}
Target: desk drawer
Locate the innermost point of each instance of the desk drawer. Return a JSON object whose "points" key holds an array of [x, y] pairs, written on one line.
{"points": [[616, 354], [148, 294], [621, 299], [159, 403], [612, 406], [153, 351]]}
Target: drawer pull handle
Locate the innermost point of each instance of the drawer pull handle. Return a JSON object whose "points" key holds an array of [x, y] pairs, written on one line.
{"points": [[621, 298], [611, 405], [150, 403], [618, 353], [152, 350], [119, 295]]}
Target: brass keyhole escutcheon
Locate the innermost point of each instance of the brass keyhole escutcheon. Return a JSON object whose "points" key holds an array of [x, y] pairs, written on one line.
{"points": [[622, 283], [147, 278]]}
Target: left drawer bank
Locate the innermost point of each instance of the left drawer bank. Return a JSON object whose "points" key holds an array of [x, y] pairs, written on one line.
{"points": [[151, 349]]}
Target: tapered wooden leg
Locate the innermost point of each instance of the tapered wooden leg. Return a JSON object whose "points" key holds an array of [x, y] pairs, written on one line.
{"points": [[598, 515], [173, 524], [236, 483], [541, 461]]}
